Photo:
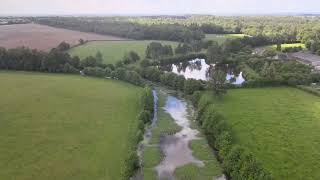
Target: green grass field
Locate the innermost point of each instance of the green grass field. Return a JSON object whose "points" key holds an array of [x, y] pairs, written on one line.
{"points": [[280, 126], [114, 51], [221, 38], [64, 127], [288, 45]]}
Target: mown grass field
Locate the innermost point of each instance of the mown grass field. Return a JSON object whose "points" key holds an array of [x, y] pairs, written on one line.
{"points": [[274, 46], [114, 51], [280, 126], [64, 127], [221, 38]]}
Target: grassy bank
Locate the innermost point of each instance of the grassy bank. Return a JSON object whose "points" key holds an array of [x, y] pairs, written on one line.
{"points": [[64, 127], [279, 126], [114, 51]]}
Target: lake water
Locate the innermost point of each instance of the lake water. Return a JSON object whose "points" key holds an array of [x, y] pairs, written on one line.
{"points": [[198, 69]]}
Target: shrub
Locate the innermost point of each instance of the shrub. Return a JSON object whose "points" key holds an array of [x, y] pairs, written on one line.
{"points": [[94, 71], [145, 116], [139, 136], [195, 98], [141, 125], [67, 68], [192, 85], [132, 163]]}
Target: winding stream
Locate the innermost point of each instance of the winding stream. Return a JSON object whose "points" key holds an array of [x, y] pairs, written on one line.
{"points": [[176, 147]]}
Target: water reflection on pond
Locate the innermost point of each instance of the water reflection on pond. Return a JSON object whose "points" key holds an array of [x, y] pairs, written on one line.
{"points": [[198, 69]]}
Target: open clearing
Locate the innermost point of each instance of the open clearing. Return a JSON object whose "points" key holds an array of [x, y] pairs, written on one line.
{"points": [[280, 126], [64, 127], [114, 51], [221, 38], [42, 37]]}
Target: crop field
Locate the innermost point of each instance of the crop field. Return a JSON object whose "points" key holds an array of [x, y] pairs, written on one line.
{"points": [[42, 37], [280, 126], [221, 38], [64, 126], [114, 51]]}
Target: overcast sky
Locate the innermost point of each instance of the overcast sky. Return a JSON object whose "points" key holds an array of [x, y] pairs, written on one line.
{"points": [[18, 7]]}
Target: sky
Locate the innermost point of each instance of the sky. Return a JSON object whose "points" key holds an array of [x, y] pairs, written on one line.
{"points": [[145, 7]]}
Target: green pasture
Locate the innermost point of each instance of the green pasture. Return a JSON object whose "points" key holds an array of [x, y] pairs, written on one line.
{"points": [[65, 127], [280, 126], [113, 51]]}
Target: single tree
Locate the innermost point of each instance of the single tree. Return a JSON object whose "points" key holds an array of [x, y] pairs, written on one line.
{"points": [[217, 79]]}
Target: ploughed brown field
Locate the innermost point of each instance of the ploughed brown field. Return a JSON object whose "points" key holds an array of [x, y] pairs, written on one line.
{"points": [[42, 37]]}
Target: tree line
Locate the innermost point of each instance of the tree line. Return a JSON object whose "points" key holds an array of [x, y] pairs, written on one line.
{"points": [[132, 162], [280, 29], [237, 161], [109, 26]]}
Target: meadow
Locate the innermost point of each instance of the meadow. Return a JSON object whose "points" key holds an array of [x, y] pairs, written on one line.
{"points": [[64, 126], [221, 38], [280, 126], [113, 51]]}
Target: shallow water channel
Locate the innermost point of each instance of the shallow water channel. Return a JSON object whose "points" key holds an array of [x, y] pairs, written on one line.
{"points": [[176, 147]]}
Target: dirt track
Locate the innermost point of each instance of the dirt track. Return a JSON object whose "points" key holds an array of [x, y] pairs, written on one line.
{"points": [[43, 37]]}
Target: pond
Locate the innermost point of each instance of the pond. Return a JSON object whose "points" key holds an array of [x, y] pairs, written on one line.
{"points": [[198, 69]]}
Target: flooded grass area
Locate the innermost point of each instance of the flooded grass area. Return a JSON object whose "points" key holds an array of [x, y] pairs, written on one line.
{"points": [[152, 155], [211, 168], [176, 151]]}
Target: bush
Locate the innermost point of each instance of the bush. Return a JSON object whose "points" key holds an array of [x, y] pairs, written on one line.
{"points": [[192, 85], [132, 163], [195, 98], [94, 71], [139, 136], [67, 68], [147, 100], [141, 125], [145, 116]]}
